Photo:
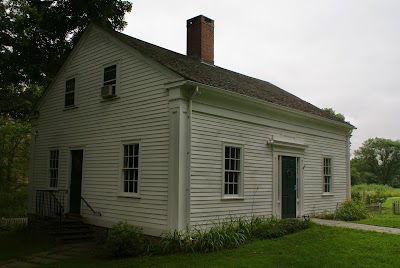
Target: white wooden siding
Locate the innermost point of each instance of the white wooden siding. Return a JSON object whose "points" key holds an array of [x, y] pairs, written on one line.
{"points": [[208, 134], [140, 112]]}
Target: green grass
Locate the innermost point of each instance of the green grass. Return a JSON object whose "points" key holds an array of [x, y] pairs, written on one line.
{"points": [[318, 246], [386, 218], [21, 244]]}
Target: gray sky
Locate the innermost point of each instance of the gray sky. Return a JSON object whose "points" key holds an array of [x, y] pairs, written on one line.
{"points": [[332, 53]]}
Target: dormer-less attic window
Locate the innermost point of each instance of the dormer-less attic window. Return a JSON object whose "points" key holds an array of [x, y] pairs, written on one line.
{"points": [[70, 93], [110, 77]]}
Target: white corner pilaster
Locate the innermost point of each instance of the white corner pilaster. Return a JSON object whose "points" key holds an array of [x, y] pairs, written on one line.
{"points": [[178, 149]]}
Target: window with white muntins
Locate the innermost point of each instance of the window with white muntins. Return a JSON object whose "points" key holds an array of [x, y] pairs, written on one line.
{"points": [[70, 92], [110, 77], [327, 175], [130, 168], [53, 168], [233, 170]]}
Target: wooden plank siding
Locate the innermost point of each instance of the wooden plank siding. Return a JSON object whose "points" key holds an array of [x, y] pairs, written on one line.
{"points": [[139, 113], [209, 131]]}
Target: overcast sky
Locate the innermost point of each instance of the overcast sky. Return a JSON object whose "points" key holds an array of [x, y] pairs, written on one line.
{"points": [[343, 54]]}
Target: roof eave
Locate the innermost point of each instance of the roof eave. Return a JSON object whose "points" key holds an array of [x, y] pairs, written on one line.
{"points": [[345, 125]]}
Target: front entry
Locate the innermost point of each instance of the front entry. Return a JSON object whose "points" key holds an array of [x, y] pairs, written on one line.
{"points": [[289, 187], [76, 181]]}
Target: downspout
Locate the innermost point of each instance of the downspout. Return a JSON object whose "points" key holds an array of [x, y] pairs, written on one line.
{"points": [[348, 174], [189, 161]]}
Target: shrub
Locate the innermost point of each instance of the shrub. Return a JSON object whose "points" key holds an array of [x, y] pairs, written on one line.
{"points": [[125, 240], [14, 204], [230, 233], [373, 193], [277, 228], [351, 210]]}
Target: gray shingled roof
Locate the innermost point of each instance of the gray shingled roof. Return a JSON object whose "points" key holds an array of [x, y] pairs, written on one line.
{"points": [[193, 69]]}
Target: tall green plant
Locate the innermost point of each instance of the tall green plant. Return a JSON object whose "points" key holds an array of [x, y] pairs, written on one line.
{"points": [[14, 153]]}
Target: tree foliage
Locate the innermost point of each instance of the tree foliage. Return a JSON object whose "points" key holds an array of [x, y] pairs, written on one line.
{"points": [[14, 154], [377, 161], [332, 112], [35, 39]]}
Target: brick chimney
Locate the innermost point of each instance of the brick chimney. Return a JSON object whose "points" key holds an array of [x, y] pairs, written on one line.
{"points": [[200, 38]]}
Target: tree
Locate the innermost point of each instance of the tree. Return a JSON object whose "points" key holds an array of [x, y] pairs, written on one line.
{"points": [[377, 160], [35, 39], [14, 154], [332, 112]]}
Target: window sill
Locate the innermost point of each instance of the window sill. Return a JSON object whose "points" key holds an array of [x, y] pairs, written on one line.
{"points": [[133, 196], [110, 99], [232, 198], [327, 194], [72, 107]]}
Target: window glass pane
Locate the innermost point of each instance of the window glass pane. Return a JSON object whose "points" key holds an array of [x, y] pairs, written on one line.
{"points": [[230, 188], [130, 166], [235, 188], [130, 183], [130, 162]]}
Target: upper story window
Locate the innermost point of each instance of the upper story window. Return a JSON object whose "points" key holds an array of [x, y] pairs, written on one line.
{"points": [[109, 79], [233, 174], [70, 92], [130, 168], [53, 168], [327, 175]]}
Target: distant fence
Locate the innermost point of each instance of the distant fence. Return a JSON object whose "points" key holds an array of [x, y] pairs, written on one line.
{"points": [[396, 207], [377, 208], [14, 221]]}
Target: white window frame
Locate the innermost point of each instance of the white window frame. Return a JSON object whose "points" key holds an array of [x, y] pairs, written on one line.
{"points": [[70, 77], [52, 168], [325, 174], [117, 76], [240, 185], [121, 191]]}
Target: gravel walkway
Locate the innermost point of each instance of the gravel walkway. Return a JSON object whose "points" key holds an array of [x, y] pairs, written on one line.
{"points": [[352, 225]]}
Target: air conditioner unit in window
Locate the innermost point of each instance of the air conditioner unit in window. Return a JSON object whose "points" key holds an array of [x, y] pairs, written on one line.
{"points": [[108, 91]]}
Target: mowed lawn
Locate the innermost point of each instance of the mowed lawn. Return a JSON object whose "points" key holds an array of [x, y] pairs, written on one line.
{"points": [[319, 246], [386, 218]]}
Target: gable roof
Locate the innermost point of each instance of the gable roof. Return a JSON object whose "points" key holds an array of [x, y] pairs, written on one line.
{"points": [[193, 69]]}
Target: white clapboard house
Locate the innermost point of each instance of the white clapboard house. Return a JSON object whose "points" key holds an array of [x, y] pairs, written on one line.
{"points": [[131, 131]]}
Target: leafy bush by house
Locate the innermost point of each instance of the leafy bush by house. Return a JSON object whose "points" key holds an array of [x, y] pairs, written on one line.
{"points": [[274, 228], [14, 204], [352, 210], [125, 240], [230, 233]]}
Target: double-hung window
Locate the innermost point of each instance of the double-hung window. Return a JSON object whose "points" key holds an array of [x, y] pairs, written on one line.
{"points": [[70, 93], [233, 173], [110, 77], [327, 175], [130, 169], [53, 168]]}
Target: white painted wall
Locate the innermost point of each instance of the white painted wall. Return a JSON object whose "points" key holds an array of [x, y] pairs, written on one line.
{"points": [[211, 130], [140, 113]]}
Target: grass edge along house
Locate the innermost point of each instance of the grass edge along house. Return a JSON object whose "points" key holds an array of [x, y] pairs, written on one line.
{"points": [[129, 130]]}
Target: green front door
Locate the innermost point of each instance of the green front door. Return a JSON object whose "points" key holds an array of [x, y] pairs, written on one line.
{"points": [[76, 181], [288, 187]]}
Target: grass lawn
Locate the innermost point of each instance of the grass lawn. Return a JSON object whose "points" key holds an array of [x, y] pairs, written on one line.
{"points": [[21, 244], [319, 246], [386, 218]]}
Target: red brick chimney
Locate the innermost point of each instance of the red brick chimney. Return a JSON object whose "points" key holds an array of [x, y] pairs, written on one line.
{"points": [[200, 38]]}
